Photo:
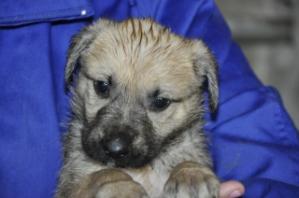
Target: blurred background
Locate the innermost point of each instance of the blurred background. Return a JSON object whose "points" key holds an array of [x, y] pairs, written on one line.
{"points": [[268, 33]]}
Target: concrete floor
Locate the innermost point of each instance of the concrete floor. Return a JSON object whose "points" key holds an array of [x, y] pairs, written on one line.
{"points": [[268, 32]]}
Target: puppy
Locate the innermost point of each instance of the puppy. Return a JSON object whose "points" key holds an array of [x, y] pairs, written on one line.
{"points": [[137, 113]]}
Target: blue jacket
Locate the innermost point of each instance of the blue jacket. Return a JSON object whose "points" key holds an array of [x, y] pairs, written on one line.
{"points": [[252, 139]]}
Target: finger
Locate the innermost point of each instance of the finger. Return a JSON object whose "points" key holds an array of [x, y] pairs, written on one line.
{"points": [[231, 189]]}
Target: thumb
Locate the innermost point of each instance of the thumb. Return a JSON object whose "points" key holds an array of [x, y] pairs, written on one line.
{"points": [[231, 189]]}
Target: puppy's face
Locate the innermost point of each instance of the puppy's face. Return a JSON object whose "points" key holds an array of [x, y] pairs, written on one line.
{"points": [[139, 87]]}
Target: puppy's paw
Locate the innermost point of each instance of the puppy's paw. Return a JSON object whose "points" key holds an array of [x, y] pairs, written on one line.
{"points": [[110, 183], [191, 180]]}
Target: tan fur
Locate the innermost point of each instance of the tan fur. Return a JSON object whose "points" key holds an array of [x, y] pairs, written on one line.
{"points": [[140, 56], [111, 181]]}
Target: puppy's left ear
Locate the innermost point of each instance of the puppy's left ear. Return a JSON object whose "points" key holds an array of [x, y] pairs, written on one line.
{"points": [[206, 68]]}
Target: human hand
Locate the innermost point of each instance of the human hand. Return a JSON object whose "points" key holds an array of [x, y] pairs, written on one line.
{"points": [[231, 189]]}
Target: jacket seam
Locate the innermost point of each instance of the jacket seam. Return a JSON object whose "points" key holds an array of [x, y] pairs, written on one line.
{"points": [[37, 15]]}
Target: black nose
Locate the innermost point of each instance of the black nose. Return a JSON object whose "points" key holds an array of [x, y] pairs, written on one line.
{"points": [[117, 146]]}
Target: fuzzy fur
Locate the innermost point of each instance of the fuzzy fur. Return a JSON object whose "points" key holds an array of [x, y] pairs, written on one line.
{"points": [[143, 60]]}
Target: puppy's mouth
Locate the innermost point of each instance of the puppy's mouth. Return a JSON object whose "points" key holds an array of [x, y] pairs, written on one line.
{"points": [[120, 145], [132, 161], [115, 155]]}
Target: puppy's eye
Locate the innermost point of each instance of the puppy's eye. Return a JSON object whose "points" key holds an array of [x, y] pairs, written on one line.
{"points": [[160, 104], [102, 88]]}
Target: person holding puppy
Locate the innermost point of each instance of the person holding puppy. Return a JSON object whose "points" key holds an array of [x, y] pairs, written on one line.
{"points": [[252, 138]]}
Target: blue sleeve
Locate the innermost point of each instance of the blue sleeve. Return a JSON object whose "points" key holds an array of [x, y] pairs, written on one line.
{"points": [[254, 141], [33, 45], [34, 37]]}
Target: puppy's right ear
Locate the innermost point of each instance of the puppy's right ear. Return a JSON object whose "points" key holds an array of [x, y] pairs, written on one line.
{"points": [[79, 43]]}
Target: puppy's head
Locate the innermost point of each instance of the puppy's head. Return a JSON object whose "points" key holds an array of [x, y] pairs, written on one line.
{"points": [[137, 89]]}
